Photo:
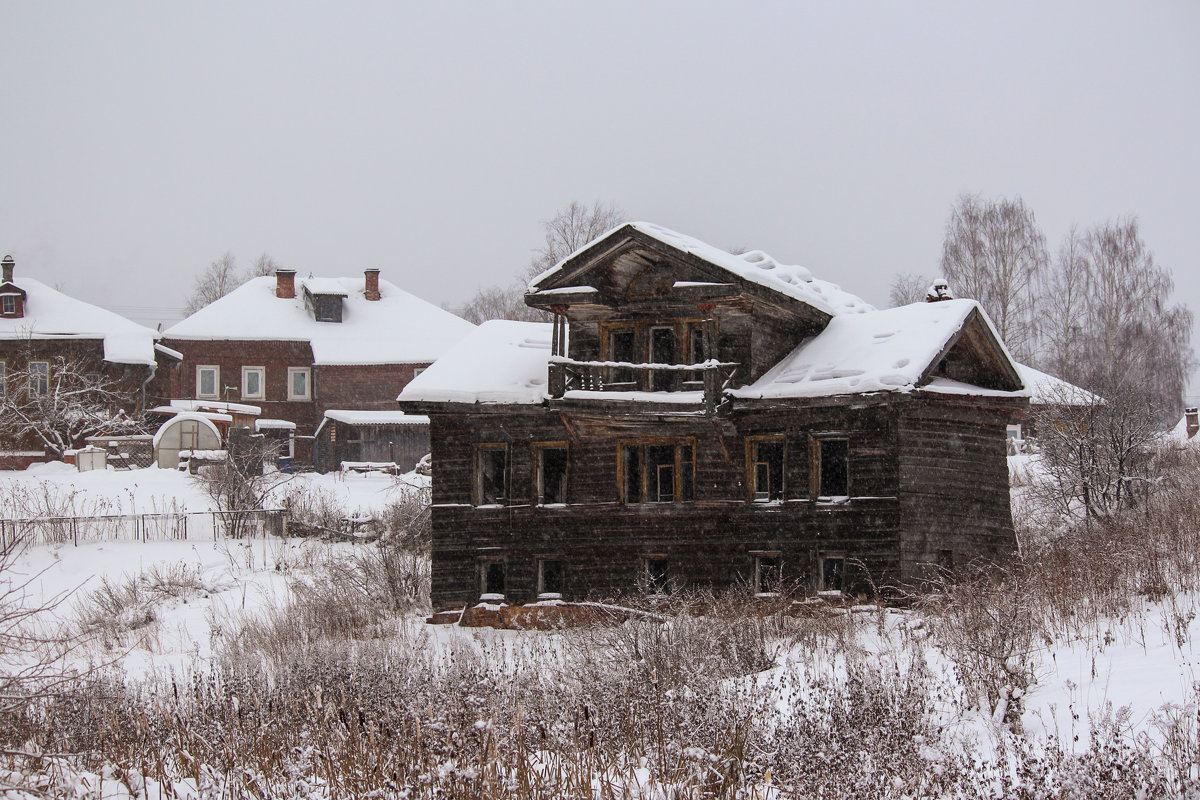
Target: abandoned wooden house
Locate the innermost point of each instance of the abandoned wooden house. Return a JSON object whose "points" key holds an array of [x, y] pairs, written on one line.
{"points": [[693, 416]]}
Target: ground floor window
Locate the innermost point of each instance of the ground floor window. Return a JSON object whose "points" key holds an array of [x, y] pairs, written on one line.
{"points": [[768, 574], [39, 378], [655, 574], [550, 577], [833, 573], [491, 577], [657, 471], [207, 380]]}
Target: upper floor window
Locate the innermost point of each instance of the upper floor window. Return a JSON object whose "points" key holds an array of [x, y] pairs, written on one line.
{"points": [[764, 468], [252, 383], [832, 471], [550, 468], [299, 383], [491, 474], [8, 304], [657, 471], [208, 380], [39, 378]]}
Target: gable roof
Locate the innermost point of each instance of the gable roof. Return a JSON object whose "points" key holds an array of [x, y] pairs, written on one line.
{"points": [[501, 361], [753, 267], [891, 350], [50, 314], [1046, 389], [398, 328]]}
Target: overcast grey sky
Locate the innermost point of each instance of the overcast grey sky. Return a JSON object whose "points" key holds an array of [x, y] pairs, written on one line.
{"points": [[140, 141]]}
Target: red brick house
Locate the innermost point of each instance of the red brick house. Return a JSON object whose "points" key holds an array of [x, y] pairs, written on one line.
{"points": [[56, 350], [297, 348]]}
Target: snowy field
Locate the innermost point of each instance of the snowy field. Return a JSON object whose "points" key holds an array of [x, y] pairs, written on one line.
{"points": [[174, 613]]}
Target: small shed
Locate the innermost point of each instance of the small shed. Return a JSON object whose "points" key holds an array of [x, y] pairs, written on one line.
{"points": [[186, 431], [370, 437]]}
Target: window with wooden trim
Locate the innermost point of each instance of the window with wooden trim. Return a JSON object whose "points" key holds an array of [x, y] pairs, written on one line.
{"points": [[39, 378], [621, 345], [656, 471], [491, 576], [765, 467], [253, 381], [768, 573], [551, 573], [208, 382], [831, 468], [550, 473], [491, 474]]}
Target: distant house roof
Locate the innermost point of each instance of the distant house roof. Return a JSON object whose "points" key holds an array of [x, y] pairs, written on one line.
{"points": [[499, 362], [755, 266], [399, 328], [1047, 390], [50, 315], [351, 417]]}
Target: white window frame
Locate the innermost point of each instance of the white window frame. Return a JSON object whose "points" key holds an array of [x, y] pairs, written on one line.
{"points": [[262, 383], [292, 373], [215, 394], [8, 304], [34, 383]]}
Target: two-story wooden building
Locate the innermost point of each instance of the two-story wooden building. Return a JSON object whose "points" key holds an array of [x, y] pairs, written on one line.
{"points": [[693, 416], [296, 348]]}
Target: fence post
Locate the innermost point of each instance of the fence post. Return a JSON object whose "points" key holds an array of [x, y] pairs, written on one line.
{"points": [[75, 530]]}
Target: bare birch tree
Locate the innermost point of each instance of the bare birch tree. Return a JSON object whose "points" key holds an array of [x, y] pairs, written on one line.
{"points": [[223, 276], [908, 288], [567, 231], [995, 253]]}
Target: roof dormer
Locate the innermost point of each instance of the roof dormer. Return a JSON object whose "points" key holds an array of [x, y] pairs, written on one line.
{"points": [[323, 299], [12, 297]]}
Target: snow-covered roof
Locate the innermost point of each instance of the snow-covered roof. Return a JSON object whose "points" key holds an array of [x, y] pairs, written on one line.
{"points": [[499, 362], [375, 417], [50, 314], [399, 328], [1045, 389], [879, 351], [274, 425], [325, 286], [215, 405], [755, 266]]}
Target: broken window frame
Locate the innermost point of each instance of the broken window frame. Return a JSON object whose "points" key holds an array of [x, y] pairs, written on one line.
{"points": [[768, 572], [683, 470], [539, 470], [479, 497], [820, 459], [561, 569], [489, 568], [777, 483]]}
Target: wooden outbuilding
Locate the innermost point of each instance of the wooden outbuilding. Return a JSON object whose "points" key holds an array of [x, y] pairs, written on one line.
{"points": [[693, 416]]}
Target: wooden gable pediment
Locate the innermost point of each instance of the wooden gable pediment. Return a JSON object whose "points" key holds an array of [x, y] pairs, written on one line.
{"points": [[975, 355]]}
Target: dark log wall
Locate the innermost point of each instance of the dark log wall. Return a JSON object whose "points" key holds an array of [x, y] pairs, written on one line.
{"points": [[712, 540], [954, 487]]}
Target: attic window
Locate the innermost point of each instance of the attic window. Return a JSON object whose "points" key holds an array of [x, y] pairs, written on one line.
{"points": [[8, 304]]}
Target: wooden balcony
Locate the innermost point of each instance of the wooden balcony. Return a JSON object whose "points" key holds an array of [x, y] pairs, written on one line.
{"points": [[711, 378]]}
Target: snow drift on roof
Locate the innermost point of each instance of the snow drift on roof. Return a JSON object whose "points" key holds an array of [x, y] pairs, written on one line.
{"points": [[499, 362], [375, 417], [755, 266], [399, 328], [880, 351], [1045, 389], [50, 314]]}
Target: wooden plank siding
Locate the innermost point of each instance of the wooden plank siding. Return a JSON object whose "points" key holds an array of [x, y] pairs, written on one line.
{"points": [[711, 540]]}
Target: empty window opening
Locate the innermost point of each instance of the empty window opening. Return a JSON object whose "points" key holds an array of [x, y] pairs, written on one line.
{"points": [[768, 574], [621, 348], [492, 578], [834, 468], [656, 575], [491, 475], [551, 475], [550, 577], [657, 472], [662, 351], [766, 470], [833, 573]]}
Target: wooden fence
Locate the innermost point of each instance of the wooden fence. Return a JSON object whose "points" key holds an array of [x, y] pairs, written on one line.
{"points": [[194, 525]]}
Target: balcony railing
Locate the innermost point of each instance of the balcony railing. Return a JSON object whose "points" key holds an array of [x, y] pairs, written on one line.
{"points": [[711, 378]]}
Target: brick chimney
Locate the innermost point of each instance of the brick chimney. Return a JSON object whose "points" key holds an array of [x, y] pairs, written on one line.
{"points": [[285, 283], [371, 292], [1192, 415], [7, 264]]}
